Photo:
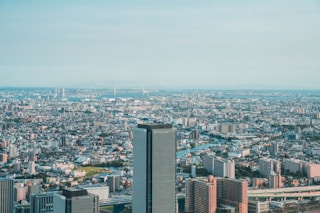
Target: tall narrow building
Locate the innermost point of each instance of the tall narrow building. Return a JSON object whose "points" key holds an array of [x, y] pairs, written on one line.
{"points": [[154, 167], [6, 195]]}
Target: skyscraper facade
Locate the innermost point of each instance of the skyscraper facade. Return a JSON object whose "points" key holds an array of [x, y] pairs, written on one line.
{"points": [[216, 194], [75, 201], [41, 203], [233, 192], [154, 166], [6, 195], [201, 195]]}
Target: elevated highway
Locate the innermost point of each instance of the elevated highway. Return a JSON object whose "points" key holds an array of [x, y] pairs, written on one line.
{"points": [[117, 200], [291, 192]]}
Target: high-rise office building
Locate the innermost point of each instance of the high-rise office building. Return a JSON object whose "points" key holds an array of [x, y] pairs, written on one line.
{"points": [[154, 166], [41, 203], [6, 195], [75, 201]]}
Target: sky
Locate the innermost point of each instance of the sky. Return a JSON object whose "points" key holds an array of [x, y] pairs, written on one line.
{"points": [[214, 44]]}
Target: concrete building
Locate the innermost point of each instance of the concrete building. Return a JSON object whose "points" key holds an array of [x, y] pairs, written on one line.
{"points": [[256, 206], [154, 167], [22, 208], [293, 165], [32, 168], [209, 195], [201, 195], [272, 148], [6, 195], [20, 192], [41, 203], [3, 158], [113, 182], [224, 168], [268, 165], [233, 192], [313, 170], [99, 190], [208, 163], [75, 201], [275, 181]]}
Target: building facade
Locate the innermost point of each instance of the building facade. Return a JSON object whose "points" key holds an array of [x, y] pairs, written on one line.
{"points": [[41, 203], [154, 166], [268, 166], [224, 168], [6, 195], [75, 201], [233, 192], [201, 195]]}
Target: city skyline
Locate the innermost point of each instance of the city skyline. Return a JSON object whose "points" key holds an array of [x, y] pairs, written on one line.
{"points": [[207, 45]]}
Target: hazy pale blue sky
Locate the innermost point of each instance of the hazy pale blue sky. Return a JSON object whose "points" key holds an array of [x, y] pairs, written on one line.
{"points": [[187, 43]]}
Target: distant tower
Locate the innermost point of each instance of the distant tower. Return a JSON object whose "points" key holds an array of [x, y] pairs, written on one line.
{"points": [[114, 91], [154, 167], [62, 93], [6, 195], [143, 91]]}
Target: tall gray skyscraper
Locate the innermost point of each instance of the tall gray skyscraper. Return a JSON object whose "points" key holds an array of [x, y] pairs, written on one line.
{"points": [[154, 167], [6, 195]]}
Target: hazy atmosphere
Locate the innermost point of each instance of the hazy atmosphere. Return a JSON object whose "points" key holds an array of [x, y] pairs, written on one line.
{"points": [[164, 44]]}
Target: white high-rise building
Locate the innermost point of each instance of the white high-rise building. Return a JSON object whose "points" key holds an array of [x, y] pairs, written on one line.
{"points": [[32, 168], [224, 168], [13, 151], [154, 167]]}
